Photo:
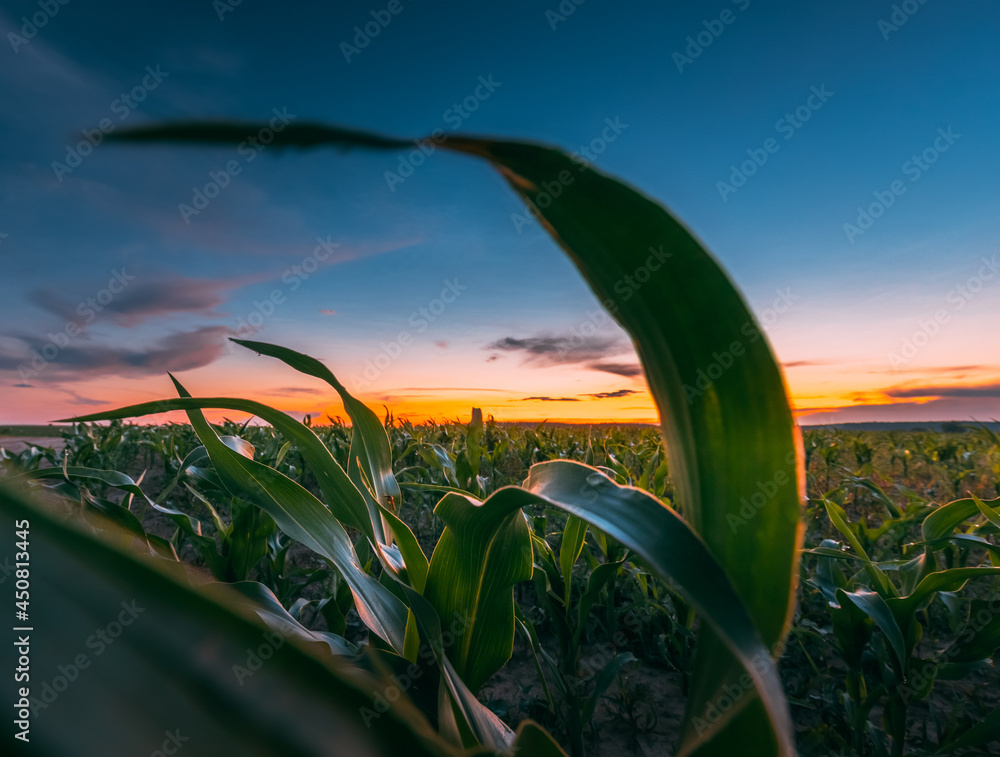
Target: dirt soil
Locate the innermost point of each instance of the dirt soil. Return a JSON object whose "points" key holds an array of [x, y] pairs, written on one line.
{"points": [[648, 726]]}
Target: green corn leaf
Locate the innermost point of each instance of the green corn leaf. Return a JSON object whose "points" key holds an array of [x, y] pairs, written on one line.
{"points": [[601, 576], [985, 731], [853, 628], [569, 551], [878, 578], [980, 639], [602, 681], [261, 601], [371, 453], [247, 539], [952, 579], [119, 514], [670, 547], [966, 540], [535, 741], [340, 492], [484, 550], [704, 357], [988, 512], [113, 479], [944, 520], [177, 665], [304, 518], [467, 721], [874, 606], [342, 496]]}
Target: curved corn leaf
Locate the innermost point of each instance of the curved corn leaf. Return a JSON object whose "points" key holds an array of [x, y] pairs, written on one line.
{"points": [[178, 664], [484, 550], [944, 520], [988, 512], [670, 547], [371, 453], [723, 407], [952, 579], [600, 577], [573, 537], [261, 601], [304, 518], [872, 604], [603, 680], [338, 490], [534, 740], [980, 639], [461, 716], [837, 516], [985, 731]]}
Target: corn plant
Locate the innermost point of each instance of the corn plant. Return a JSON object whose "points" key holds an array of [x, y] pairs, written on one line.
{"points": [[884, 668], [733, 562]]}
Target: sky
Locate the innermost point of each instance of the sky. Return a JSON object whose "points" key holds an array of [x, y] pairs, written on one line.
{"points": [[839, 159]]}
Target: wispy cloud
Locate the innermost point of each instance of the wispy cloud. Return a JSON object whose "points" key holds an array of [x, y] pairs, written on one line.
{"points": [[590, 352], [558, 350], [628, 370], [287, 391], [549, 399], [76, 399], [614, 394], [983, 391], [808, 363], [941, 409], [144, 299], [84, 359]]}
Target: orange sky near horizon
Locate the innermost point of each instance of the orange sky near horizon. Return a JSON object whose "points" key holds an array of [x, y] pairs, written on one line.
{"points": [[512, 392]]}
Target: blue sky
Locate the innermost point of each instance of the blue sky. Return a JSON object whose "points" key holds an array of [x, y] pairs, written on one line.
{"points": [[889, 93]]}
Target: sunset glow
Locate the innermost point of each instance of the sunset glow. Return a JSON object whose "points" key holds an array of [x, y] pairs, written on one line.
{"points": [[856, 213]]}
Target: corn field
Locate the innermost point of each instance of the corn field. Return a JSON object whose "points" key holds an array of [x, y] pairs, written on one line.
{"points": [[720, 585]]}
